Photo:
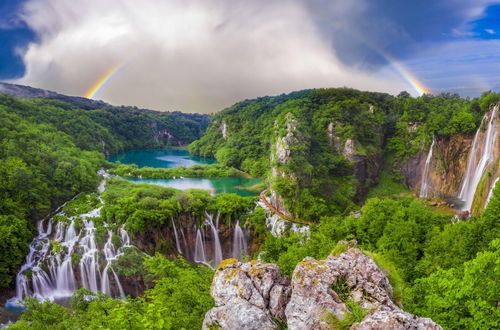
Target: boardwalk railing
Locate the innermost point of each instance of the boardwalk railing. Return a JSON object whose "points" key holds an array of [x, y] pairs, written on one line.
{"points": [[263, 198]]}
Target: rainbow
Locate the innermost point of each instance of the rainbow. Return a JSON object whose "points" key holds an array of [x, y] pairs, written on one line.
{"points": [[408, 76], [99, 84]]}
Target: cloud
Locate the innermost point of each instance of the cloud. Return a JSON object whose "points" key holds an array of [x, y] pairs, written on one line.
{"points": [[192, 55], [467, 67]]}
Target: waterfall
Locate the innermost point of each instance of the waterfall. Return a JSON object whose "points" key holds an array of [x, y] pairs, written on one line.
{"points": [[476, 168], [216, 241], [199, 252], [240, 246], [177, 244], [51, 261], [111, 254], [208, 247], [490, 194], [424, 187]]}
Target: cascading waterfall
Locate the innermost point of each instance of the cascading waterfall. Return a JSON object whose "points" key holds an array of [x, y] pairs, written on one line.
{"points": [[207, 243], [476, 168], [424, 187], [240, 246], [51, 259]]}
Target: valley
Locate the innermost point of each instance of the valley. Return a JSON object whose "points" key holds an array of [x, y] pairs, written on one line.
{"points": [[107, 222]]}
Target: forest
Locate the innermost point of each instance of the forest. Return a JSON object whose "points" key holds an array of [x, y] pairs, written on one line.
{"points": [[51, 150]]}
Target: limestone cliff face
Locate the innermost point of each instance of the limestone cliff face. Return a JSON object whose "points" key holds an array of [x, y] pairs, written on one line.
{"points": [[281, 153], [254, 295], [224, 129], [449, 163], [447, 166], [367, 165], [163, 135]]}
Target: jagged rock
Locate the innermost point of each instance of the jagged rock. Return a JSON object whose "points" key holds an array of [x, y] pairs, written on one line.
{"points": [[283, 143], [334, 139], [247, 296], [349, 149], [387, 318]]}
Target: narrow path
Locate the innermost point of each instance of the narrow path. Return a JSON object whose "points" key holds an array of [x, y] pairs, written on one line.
{"points": [[263, 198]]}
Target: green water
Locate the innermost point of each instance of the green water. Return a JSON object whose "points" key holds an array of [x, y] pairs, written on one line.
{"points": [[169, 158]]}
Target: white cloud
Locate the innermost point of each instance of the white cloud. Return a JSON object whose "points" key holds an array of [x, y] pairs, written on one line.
{"points": [[192, 55]]}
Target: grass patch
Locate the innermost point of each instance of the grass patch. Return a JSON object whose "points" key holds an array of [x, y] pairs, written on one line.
{"points": [[392, 274], [357, 313], [341, 287], [338, 249], [388, 186]]}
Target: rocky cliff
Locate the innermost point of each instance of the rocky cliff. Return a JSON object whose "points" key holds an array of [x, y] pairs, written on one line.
{"points": [[454, 158], [447, 166], [347, 290]]}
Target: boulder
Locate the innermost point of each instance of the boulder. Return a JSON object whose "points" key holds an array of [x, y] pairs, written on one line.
{"points": [[247, 296], [321, 294]]}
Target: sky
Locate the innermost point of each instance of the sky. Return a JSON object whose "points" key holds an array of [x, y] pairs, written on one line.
{"points": [[205, 55]]}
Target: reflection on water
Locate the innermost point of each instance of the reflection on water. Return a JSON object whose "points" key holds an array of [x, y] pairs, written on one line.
{"points": [[235, 185], [169, 158], [164, 158]]}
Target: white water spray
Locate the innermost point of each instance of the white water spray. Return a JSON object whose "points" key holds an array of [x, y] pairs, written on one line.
{"points": [[424, 187], [476, 168], [51, 260]]}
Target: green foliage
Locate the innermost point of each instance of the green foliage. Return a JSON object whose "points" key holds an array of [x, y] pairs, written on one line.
{"points": [[312, 127], [465, 297], [195, 171], [131, 263], [341, 288], [55, 246], [389, 185], [357, 313], [143, 207], [82, 204], [391, 271], [178, 300], [13, 245]]}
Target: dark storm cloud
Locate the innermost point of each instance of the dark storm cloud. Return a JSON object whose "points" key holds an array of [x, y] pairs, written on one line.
{"points": [[361, 31], [199, 55]]}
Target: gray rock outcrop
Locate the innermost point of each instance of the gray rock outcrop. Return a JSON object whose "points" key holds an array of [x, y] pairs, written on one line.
{"points": [[247, 296], [321, 294]]}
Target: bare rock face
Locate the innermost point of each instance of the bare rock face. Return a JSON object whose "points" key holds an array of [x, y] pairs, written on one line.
{"points": [[250, 295], [283, 143], [349, 149], [314, 284], [224, 129], [387, 318], [247, 296]]}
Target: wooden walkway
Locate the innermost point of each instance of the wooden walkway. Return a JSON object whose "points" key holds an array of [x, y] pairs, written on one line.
{"points": [[263, 198]]}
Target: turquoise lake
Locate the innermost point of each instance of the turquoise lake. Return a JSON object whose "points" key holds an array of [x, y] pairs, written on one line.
{"points": [[169, 158], [160, 158]]}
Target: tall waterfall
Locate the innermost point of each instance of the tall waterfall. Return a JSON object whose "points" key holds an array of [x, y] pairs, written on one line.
{"points": [[476, 167], [50, 268], [424, 187]]}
